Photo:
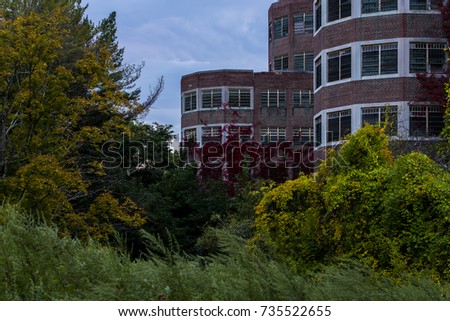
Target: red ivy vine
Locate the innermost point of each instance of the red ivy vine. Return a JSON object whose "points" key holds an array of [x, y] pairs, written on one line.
{"points": [[433, 86]]}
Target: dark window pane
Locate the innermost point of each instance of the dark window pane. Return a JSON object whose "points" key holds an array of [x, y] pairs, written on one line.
{"points": [[389, 61]]}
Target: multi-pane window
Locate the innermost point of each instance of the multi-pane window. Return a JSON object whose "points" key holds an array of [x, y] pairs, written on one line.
{"points": [[303, 98], [211, 98], [339, 65], [304, 61], [273, 134], [303, 23], [426, 120], [281, 63], [302, 135], [318, 14], [370, 6], [318, 73], [318, 130], [424, 4], [381, 115], [281, 27], [339, 125], [239, 98], [241, 133], [212, 134], [273, 98], [190, 134], [427, 57], [190, 101], [339, 9], [379, 59]]}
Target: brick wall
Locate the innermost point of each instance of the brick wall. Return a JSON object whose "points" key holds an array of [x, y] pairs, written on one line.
{"points": [[367, 91], [291, 44], [379, 27], [260, 116]]}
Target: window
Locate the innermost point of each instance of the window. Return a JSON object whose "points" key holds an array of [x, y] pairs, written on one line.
{"points": [[303, 23], [212, 134], [379, 59], [281, 27], [379, 115], [190, 101], [241, 133], [239, 98], [273, 98], [339, 9], [273, 134], [270, 31], [370, 6], [339, 125], [318, 73], [303, 98], [427, 57], [281, 63], [424, 4], [318, 15], [303, 135], [211, 98], [426, 121], [304, 62], [339, 65], [318, 130], [190, 134]]}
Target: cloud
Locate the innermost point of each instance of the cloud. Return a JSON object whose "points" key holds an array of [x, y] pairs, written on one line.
{"points": [[177, 37]]}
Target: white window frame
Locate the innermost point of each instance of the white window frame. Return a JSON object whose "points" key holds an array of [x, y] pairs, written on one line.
{"points": [[241, 101], [299, 102], [427, 47], [281, 63], [339, 54], [211, 92], [300, 26], [304, 57], [284, 32], [379, 8], [273, 134], [378, 48], [271, 93], [188, 96]]}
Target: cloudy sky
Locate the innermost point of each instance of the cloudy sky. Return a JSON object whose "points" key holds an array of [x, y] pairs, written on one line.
{"points": [[178, 37]]}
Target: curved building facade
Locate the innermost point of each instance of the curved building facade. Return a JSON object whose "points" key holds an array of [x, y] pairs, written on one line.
{"points": [[334, 65], [366, 58]]}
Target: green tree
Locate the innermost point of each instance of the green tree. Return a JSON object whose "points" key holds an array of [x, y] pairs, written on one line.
{"points": [[64, 91]]}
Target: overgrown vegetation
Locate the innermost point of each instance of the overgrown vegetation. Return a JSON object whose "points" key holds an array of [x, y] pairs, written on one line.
{"points": [[90, 214], [363, 204], [37, 264]]}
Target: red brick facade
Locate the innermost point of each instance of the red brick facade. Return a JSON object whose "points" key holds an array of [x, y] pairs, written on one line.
{"points": [[289, 37]]}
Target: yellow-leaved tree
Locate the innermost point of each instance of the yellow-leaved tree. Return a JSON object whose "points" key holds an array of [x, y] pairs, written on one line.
{"points": [[63, 93]]}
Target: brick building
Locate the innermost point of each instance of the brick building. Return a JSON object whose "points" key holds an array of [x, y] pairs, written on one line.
{"points": [[333, 66]]}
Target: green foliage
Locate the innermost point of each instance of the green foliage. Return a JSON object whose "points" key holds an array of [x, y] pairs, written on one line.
{"points": [[37, 264], [64, 91], [392, 215], [288, 218], [182, 205]]}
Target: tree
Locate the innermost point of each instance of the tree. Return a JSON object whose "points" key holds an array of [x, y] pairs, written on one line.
{"points": [[64, 91]]}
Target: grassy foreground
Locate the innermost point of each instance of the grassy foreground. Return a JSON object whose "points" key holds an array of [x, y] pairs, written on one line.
{"points": [[36, 264]]}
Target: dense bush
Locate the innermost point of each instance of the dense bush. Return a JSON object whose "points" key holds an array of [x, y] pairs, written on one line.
{"points": [[36, 264], [391, 214]]}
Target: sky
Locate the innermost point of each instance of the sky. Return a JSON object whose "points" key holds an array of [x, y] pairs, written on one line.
{"points": [[179, 37]]}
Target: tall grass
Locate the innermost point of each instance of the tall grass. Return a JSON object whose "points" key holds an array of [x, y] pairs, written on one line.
{"points": [[36, 264]]}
